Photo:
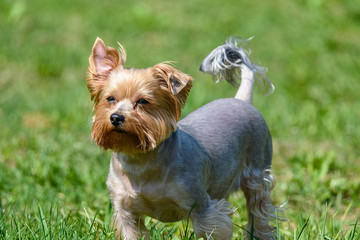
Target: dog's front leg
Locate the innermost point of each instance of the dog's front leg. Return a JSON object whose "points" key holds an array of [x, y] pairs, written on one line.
{"points": [[128, 226], [126, 221], [213, 221]]}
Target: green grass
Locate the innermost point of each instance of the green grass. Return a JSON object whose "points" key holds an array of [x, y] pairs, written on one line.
{"points": [[52, 177]]}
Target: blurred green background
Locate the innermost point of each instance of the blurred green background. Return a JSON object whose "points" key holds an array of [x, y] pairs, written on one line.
{"points": [[52, 177]]}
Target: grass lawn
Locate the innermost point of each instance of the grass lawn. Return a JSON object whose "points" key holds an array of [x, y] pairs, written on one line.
{"points": [[52, 176]]}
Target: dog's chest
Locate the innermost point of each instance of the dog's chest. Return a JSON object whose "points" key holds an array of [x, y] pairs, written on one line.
{"points": [[145, 191], [154, 201]]}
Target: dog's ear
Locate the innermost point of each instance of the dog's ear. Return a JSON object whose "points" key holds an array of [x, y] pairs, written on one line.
{"points": [[173, 80], [174, 83], [101, 62], [104, 59]]}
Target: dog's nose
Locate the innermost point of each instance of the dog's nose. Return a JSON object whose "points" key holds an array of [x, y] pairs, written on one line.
{"points": [[117, 119]]}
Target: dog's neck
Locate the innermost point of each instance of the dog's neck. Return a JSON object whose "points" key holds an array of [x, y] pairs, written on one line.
{"points": [[147, 165]]}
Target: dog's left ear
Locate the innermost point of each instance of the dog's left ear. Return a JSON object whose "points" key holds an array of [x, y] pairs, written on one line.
{"points": [[173, 80]]}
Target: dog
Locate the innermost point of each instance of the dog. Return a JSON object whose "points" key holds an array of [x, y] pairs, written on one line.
{"points": [[169, 169]]}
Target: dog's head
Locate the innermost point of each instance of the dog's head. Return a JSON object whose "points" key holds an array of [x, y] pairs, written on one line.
{"points": [[134, 109]]}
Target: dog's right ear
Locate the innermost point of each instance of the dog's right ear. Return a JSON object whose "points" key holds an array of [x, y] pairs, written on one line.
{"points": [[101, 62], [104, 59]]}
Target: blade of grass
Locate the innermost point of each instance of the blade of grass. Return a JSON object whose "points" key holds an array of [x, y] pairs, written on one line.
{"points": [[352, 233], [18, 232], [188, 219], [303, 228], [346, 211], [324, 223], [43, 223]]}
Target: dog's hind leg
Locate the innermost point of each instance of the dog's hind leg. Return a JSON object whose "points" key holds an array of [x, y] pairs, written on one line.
{"points": [[256, 186], [257, 182]]}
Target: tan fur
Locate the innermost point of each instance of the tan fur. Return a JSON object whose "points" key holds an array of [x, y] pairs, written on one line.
{"points": [[165, 87], [96, 79]]}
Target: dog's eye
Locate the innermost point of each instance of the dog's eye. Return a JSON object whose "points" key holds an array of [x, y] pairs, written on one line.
{"points": [[142, 101], [110, 99]]}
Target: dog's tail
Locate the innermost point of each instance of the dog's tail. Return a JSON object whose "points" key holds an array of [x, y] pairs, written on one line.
{"points": [[231, 62]]}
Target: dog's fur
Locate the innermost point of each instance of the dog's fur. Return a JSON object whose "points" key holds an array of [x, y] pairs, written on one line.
{"points": [[167, 169]]}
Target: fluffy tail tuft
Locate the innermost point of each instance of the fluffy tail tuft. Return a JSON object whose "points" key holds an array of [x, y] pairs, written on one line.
{"points": [[229, 61]]}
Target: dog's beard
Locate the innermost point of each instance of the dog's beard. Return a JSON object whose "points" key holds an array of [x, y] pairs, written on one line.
{"points": [[135, 135]]}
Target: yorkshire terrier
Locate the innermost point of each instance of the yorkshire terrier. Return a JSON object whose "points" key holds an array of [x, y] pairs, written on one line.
{"points": [[167, 169]]}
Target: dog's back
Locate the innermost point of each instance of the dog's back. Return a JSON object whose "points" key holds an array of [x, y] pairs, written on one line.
{"points": [[234, 137], [227, 145]]}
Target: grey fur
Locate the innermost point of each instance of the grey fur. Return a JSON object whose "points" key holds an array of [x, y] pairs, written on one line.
{"points": [[226, 62]]}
